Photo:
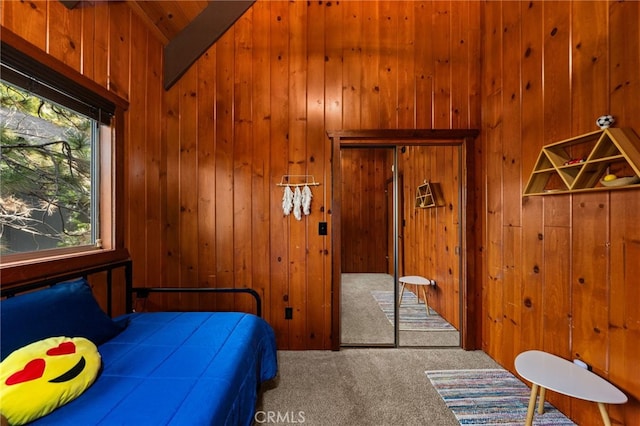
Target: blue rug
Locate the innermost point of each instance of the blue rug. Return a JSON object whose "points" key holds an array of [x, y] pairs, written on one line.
{"points": [[490, 397], [413, 315]]}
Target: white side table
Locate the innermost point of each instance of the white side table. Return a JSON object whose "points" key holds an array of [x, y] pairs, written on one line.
{"points": [[416, 280], [548, 371]]}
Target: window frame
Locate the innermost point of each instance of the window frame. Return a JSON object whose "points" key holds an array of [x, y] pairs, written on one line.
{"points": [[21, 267], [99, 130]]}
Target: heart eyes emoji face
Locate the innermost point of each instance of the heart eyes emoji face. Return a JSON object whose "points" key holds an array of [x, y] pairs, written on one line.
{"points": [[52, 371], [32, 371], [36, 367]]}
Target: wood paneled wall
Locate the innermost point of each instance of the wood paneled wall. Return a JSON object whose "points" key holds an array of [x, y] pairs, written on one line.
{"points": [[561, 270], [430, 242], [257, 106], [366, 209], [202, 160], [108, 44]]}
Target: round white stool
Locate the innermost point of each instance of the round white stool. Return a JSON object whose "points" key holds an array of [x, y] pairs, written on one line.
{"points": [[419, 281]]}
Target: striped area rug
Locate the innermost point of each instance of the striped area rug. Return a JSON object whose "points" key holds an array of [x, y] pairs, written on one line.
{"points": [[413, 315], [490, 397]]}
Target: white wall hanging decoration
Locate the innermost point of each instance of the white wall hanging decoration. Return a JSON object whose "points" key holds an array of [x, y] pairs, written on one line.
{"points": [[297, 203], [296, 200], [287, 201], [306, 200]]}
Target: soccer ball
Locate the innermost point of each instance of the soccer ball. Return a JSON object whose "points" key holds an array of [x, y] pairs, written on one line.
{"points": [[605, 121]]}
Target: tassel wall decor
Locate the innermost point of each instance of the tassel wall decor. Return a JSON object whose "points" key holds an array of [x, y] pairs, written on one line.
{"points": [[306, 200], [287, 201], [297, 202]]}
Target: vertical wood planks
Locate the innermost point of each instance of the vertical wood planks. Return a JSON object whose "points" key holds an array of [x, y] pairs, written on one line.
{"points": [[589, 220], [171, 140], [298, 71], [493, 287], [510, 179], [317, 315], [431, 235], [460, 45], [388, 65], [155, 167], [530, 301], [473, 42], [364, 215], [624, 315], [589, 58], [88, 35], [119, 48], [442, 68], [352, 54], [575, 62], [556, 211], [189, 240], [262, 184], [589, 282], [424, 64], [242, 155], [406, 65], [279, 230], [136, 144], [225, 66], [65, 36], [206, 179], [98, 53], [370, 50], [35, 27], [333, 105], [555, 301]]}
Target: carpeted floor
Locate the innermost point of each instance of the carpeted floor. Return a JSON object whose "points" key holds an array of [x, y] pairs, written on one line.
{"points": [[490, 397], [364, 386], [364, 323], [413, 315]]}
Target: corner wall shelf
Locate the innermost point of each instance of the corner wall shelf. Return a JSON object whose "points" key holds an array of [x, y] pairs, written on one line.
{"points": [[429, 194], [580, 163]]}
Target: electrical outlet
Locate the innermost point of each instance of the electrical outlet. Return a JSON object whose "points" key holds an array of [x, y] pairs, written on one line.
{"points": [[322, 228], [288, 313]]}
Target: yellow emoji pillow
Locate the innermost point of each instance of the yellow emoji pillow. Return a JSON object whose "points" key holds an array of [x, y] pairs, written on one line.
{"points": [[44, 375]]}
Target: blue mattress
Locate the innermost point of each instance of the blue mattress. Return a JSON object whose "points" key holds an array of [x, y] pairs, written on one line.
{"points": [[177, 368]]}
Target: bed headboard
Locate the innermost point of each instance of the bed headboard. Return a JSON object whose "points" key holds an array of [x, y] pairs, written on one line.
{"points": [[131, 291], [84, 273]]}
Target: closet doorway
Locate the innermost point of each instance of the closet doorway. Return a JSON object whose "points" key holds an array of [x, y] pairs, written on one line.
{"points": [[361, 252], [368, 248]]}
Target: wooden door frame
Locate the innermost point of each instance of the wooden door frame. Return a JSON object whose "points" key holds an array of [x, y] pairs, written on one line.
{"points": [[471, 322]]}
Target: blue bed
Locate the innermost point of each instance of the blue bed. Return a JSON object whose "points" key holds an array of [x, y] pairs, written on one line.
{"points": [[180, 368]]}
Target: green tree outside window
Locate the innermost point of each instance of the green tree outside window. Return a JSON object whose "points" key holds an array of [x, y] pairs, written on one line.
{"points": [[46, 174]]}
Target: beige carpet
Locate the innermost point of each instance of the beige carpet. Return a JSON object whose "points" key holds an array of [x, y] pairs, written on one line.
{"points": [[363, 386], [364, 323]]}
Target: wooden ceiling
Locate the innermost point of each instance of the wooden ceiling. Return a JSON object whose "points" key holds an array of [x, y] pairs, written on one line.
{"points": [[187, 28], [167, 18]]}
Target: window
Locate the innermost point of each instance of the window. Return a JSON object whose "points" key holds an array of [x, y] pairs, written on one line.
{"points": [[50, 128], [48, 174]]}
